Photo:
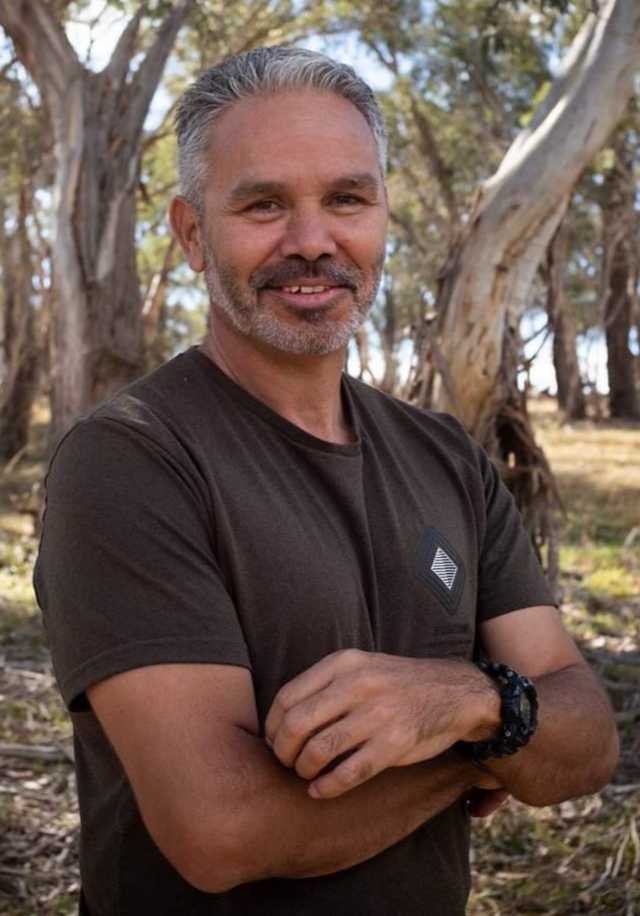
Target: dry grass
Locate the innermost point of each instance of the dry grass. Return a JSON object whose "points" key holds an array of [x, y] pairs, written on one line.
{"points": [[583, 856], [579, 857]]}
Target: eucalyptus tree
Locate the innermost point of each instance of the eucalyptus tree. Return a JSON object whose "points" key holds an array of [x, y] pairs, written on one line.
{"points": [[96, 120], [621, 271], [516, 215], [518, 210], [486, 153], [23, 256]]}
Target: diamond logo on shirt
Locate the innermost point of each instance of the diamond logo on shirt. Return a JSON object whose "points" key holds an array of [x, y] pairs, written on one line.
{"points": [[444, 568], [439, 566]]}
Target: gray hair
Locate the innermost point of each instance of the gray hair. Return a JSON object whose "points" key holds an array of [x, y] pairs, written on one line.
{"points": [[262, 72]]}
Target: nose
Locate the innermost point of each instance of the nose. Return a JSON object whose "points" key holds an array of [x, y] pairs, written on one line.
{"points": [[308, 235]]}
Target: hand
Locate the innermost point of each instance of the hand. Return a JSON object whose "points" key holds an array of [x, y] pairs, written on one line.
{"points": [[381, 710]]}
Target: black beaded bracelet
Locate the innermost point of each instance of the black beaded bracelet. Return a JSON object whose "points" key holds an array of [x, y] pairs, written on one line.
{"points": [[518, 713]]}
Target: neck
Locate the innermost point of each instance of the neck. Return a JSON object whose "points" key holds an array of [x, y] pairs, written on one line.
{"points": [[303, 389]]}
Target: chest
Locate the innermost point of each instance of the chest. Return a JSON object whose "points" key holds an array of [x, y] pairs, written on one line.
{"points": [[324, 552]]}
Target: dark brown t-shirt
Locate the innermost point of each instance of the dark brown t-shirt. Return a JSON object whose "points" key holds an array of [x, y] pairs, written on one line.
{"points": [[188, 522]]}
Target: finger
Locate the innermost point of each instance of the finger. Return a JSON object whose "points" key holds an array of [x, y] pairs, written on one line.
{"points": [[300, 724], [342, 736], [307, 683], [360, 766]]}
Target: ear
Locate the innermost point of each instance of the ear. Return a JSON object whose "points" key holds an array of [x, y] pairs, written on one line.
{"points": [[185, 225]]}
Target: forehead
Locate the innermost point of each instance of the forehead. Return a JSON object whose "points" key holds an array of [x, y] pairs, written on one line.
{"points": [[293, 136]]}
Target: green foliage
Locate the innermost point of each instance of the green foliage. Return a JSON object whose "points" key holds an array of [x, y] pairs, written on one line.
{"points": [[473, 71]]}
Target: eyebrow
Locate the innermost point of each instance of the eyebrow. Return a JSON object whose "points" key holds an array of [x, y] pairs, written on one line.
{"points": [[248, 188]]}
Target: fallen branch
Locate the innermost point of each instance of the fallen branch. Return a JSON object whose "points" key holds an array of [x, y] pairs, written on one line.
{"points": [[628, 715], [47, 752], [32, 675], [620, 685], [19, 455], [615, 656], [622, 790]]}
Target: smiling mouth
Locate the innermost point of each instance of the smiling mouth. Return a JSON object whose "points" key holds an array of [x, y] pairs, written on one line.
{"points": [[306, 289], [308, 297]]}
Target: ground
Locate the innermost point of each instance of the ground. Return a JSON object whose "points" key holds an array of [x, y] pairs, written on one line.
{"points": [[578, 857]]}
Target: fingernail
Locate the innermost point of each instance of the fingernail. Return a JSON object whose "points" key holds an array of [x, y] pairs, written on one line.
{"points": [[269, 743], [313, 792]]}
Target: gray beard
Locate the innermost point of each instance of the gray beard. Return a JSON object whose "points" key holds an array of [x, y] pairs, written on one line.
{"points": [[315, 332]]}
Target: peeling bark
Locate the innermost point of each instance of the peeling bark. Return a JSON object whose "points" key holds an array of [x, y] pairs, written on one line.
{"points": [[490, 269], [519, 209]]}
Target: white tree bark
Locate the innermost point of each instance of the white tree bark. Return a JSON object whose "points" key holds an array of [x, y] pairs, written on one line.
{"points": [[519, 209], [97, 122]]}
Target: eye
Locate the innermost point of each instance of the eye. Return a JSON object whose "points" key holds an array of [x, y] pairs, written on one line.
{"points": [[266, 207], [348, 200]]}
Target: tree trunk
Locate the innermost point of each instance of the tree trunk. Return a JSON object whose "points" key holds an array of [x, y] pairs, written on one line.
{"points": [[97, 122], [388, 332], [562, 319], [154, 307], [619, 278], [19, 347], [16, 413], [490, 271], [364, 355]]}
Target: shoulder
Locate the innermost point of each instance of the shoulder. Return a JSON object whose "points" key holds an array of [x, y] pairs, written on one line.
{"points": [[160, 412], [440, 432], [143, 435]]}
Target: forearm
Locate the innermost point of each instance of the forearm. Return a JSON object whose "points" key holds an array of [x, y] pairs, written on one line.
{"points": [[575, 747], [274, 829]]}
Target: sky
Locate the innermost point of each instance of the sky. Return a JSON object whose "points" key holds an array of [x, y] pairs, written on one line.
{"points": [[591, 350]]}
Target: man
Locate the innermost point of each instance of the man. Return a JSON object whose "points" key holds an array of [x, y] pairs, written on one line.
{"points": [[265, 584]]}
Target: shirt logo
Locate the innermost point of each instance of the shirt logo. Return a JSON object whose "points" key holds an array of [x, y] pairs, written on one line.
{"points": [[444, 567], [439, 566]]}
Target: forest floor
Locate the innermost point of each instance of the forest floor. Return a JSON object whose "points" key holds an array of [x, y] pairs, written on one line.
{"points": [[577, 857]]}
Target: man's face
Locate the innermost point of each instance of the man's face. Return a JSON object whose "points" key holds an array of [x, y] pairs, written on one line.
{"points": [[294, 222]]}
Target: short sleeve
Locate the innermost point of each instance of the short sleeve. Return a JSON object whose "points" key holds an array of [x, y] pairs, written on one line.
{"points": [[127, 573], [509, 574]]}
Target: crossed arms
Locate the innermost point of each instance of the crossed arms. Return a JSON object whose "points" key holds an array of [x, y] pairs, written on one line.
{"points": [[226, 809]]}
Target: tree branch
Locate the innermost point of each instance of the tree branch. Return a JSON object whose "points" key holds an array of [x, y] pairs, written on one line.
{"points": [[440, 171], [149, 73], [597, 78], [41, 46], [118, 66]]}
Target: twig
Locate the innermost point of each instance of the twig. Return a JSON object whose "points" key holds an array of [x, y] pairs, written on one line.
{"points": [[622, 790], [628, 715], [10, 465], [36, 752], [619, 658], [635, 839], [622, 848], [32, 675], [620, 685], [26, 873]]}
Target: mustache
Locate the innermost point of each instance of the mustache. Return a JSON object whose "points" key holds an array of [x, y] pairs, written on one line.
{"points": [[293, 269]]}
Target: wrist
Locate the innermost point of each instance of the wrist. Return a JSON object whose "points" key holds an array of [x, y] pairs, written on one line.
{"points": [[518, 714], [484, 707]]}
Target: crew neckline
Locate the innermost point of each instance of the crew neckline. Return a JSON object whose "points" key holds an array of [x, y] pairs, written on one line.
{"points": [[266, 413]]}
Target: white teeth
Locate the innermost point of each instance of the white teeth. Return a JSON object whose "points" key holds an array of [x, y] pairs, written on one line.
{"points": [[305, 289]]}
